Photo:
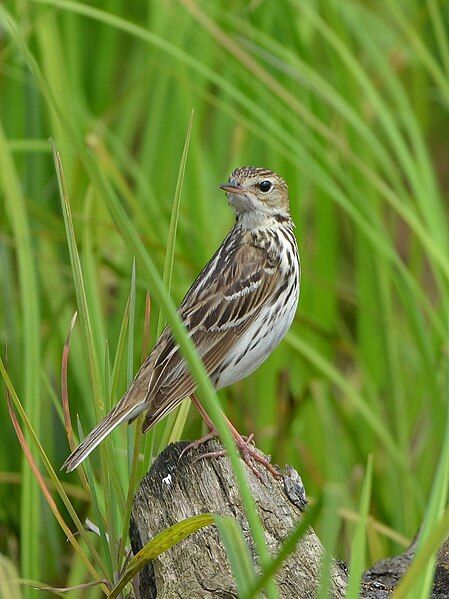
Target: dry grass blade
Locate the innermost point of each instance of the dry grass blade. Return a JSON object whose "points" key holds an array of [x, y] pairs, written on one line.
{"points": [[62, 590], [64, 388], [15, 478], [11, 395], [146, 327], [65, 398], [48, 496]]}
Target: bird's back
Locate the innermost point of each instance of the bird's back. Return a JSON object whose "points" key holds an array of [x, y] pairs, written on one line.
{"points": [[236, 312]]}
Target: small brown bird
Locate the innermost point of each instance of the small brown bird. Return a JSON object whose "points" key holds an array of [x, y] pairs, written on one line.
{"points": [[236, 312]]}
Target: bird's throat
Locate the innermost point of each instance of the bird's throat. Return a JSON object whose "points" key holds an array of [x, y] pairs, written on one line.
{"points": [[253, 219]]}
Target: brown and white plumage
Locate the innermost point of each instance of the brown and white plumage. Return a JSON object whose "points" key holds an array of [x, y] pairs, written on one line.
{"points": [[236, 312]]}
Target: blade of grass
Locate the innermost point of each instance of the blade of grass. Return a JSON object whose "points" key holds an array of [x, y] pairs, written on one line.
{"points": [[74, 491], [422, 560], [65, 396], [288, 546], [11, 393], [181, 419], [60, 591], [130, 357], [119, 355], [80, 288], [134, 451], [331, 526], [238, 553], [107, 465], [358, 546], [440, 32], [146, 328], [9, 585], [41, 482], [90, 278], [134, 471], [167, 278], [29, 304], [171, 240], [350, 392], [379, 527], [422, 584], [132, 318], [105, 539], [64, 386], [160, 543], [303, 160]]}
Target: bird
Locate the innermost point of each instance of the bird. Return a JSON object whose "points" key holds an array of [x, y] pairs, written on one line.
{"points": [[236, 312]]}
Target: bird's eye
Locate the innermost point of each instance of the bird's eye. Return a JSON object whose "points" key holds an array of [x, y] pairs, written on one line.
{"points": [[265, 186]]}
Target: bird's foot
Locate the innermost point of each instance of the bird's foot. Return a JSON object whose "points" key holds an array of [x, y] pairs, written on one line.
{"points": [[250, 456], [212, 434], [246, 448]]}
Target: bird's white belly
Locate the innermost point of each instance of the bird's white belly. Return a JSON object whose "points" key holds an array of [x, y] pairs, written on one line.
{"points": [[258, 341]]}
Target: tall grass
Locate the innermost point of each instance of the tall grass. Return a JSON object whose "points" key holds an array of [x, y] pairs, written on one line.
{"points": [[348, 101]]}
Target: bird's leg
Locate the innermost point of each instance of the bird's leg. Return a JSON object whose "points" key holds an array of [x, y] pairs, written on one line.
{"points": [[245, 445], [248, 453], [204, 415], [210, 425]]}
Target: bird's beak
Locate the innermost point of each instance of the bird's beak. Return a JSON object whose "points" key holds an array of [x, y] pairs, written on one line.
{"points": [[231, 188]]}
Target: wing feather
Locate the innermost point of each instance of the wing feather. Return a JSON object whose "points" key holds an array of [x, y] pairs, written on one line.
{"points": [[240, 281]]}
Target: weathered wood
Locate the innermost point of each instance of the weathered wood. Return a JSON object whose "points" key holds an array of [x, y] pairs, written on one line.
{"points": [[198, 567], [382, 578]]}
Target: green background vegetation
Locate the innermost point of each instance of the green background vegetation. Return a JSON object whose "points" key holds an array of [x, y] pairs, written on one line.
{"points": [[348, 101]]}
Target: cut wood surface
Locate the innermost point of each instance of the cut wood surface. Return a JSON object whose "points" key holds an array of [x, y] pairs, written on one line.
{"points": [[175, 489]]}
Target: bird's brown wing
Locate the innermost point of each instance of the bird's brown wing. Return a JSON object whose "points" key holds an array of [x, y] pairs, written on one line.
{"points": [[223, 302]]}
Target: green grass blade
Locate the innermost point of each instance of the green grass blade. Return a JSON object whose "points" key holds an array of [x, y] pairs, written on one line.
{"points": [[286, 549], [83, 307], [324, 366], [422, 580], [54, 479], [440, 32], [358, 549], [99, 518], [130, 352], [332, 497], [160, 543], [238, 553], [171, 240], [173, 420], [16, 211], [423, 559]]}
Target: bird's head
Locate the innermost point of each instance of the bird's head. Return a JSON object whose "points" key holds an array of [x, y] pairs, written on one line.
{"points": [[257, 190]]}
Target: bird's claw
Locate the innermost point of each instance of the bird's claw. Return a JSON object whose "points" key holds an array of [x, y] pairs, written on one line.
{"points": [[195, 444], [246, 448]]}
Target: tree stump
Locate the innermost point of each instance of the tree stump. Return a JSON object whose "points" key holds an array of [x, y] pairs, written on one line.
{"points": [[198, 567]]}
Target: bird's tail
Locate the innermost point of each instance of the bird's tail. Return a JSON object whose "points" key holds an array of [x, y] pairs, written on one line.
{"points": [[121, 412]]}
